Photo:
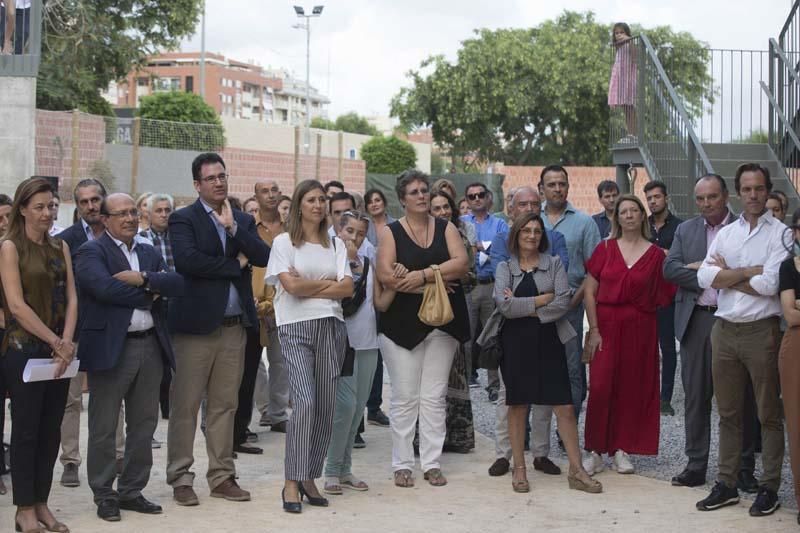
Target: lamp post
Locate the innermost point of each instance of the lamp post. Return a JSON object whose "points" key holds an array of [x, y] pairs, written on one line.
{"points": [[203, 54], [300, 12]]}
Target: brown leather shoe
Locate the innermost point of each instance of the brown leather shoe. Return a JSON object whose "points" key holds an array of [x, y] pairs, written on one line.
{"points": [[185, 495], [231, 491]]}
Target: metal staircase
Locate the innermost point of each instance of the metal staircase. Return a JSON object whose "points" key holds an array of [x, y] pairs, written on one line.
{"points": [[754, 96]]}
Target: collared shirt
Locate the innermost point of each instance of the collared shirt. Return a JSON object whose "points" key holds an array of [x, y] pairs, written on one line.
{"points": [[87, 229], [582, 235], [603, 224], [264, 292], [709, 296], [234, 306], [486, 231], [55, 229], [556, 246], [141, 319], [741, 247], [663, 237], [160, 242]]}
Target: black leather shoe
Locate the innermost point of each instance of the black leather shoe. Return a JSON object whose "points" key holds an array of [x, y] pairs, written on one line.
{"points": [[291, 507], [499, 467], [252, 450], [318, 501], [689, 478], [544, 464], [747, 482], [140, 505], [108, 510]]}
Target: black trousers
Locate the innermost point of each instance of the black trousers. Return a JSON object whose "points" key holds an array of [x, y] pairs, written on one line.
{"points": [[669, 355], [163, 394], [376, 392], [244, 412], [36, 428], [3, 391]]}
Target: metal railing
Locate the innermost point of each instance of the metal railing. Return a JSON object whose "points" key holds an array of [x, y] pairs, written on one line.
{"points": [[783, 95], [21, 49], [647, 113]]}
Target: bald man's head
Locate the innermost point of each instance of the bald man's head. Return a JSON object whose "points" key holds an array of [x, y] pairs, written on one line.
{"points": [[525, 200], [268, 194]]}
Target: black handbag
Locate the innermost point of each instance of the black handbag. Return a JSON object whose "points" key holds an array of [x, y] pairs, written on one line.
{"points": [[350, 306], [491, 352], [349, 361]]}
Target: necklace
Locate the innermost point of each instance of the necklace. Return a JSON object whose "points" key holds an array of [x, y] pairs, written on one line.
{"points": [[414, 234]]}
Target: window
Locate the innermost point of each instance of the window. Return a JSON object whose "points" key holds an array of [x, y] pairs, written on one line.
{"points": [[189, 84], [166, 84]]}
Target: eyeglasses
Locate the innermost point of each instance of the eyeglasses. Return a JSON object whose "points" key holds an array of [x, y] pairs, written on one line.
{"points": [[133, 213], [475, 196], [417, 192], [221, 178]]}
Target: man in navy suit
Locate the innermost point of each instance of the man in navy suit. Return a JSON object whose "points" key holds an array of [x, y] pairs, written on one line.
{"points": [[124, 345], [88, 195], [213, 247]]}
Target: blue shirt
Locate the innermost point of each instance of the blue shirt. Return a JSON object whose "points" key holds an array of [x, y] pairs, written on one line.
{"points": [[486, 231], [234, 306], [582, 236], [556, 246], [603, 224]]}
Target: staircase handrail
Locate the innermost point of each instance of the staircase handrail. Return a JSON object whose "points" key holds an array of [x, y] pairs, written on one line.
{"points": [[789, 19], [781, 115], [781, 55]]}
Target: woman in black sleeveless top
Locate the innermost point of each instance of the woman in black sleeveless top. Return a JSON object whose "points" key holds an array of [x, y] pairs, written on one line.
{"points": [[418, 356]]}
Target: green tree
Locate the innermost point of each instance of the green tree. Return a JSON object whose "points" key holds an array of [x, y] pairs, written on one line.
{"points": [[89, 43], [323, 124], [350, 122], [538, 95], [180, 120], [388, 155]]}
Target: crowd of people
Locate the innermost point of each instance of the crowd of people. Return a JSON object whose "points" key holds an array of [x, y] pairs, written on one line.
{"points": [[170, 310]]}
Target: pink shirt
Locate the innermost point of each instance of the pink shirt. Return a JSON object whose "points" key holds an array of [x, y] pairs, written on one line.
{"points": [[709, 296]]}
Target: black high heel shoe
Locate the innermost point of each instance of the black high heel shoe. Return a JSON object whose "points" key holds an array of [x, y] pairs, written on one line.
{"points": [[317, 502], [291, 507]]}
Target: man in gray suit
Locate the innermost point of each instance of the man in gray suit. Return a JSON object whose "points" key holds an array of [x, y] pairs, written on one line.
{"points": [[694, 318]]}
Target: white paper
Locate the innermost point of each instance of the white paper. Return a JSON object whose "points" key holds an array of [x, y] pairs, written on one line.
{"points": [[482, 258], [45, 369]]}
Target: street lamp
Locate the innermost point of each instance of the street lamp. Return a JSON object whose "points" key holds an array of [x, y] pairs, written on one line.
{"points": [[301, 13]]}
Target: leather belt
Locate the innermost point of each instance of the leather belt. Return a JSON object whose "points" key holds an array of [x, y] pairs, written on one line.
{"points": [[230, 321], [708, 308], [140, 334], [486, 281]]}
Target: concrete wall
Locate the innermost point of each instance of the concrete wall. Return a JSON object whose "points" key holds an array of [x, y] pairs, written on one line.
{"points": [[17, 131]]}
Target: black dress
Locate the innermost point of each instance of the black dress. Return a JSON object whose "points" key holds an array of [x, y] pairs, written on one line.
{"points": [[534, 364]]}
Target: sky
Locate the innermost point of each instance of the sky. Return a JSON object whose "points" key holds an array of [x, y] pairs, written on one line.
{"points": [[361, 50]]}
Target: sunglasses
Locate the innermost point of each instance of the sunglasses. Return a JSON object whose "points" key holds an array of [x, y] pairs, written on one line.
{"points": [[477, 195]]}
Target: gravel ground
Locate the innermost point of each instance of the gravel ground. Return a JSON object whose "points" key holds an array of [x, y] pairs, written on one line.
{"points": [[670, 460]]}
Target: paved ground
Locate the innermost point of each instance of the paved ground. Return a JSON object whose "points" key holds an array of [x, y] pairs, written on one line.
{"points": [[472, 501]]}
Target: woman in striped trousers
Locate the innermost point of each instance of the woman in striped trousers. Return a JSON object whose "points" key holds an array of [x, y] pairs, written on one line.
{"points": [[311, 275]]}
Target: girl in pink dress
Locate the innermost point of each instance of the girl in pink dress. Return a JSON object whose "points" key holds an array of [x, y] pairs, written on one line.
{"points": [[622, 85]]}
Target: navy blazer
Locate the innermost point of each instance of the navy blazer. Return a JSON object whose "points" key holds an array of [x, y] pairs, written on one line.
{"points": [[208, 271], [75, 237], [108, 303]]}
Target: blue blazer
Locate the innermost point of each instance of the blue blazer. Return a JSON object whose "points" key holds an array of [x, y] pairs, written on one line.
{"points": [[108, 303], [75, 237], [208, 271]]}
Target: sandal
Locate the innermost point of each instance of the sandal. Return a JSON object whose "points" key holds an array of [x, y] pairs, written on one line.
{"points": [[435, 477], [352, 482], [520, 485], [592, 486], [55, 527], [403, 478], [332, 486]]}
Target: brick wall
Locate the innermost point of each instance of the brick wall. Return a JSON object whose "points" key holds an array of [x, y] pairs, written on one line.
{"points": [[583, 182]]}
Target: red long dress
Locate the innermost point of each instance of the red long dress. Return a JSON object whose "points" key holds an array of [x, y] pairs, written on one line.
{"points": [[623, 406]]}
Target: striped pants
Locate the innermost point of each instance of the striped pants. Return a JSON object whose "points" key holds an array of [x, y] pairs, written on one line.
{"points": [[313, 351]]}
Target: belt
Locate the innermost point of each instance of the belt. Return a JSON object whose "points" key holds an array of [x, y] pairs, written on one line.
{"points": [[708, 308], [140, 334], [230, 321], [486, 281]]}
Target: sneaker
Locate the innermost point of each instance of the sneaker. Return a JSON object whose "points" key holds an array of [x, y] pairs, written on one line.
{"points": [[666, 408], [721, 496], [378, 418], [358, 442], [766, 502], [622, 463], [70, 477], [185, 495], [231, 491], [593, 463]]}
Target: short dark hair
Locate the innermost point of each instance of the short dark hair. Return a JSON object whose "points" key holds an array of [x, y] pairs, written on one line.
{"points": [[6, 200], [796, 219], [655, 184], [606, 186], [552, 168], [475, 184], [711, 176], [370, 193], [409, 176], [333, 183], [208, 158], [752, 167], [519, 223], [341, 196], [88, 182]]}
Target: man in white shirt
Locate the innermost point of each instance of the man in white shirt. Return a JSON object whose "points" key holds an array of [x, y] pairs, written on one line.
{"points": [[742, 264]]}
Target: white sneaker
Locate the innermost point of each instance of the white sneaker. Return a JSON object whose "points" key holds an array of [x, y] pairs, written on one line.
{"points": [[593, 463], [622, 463]]}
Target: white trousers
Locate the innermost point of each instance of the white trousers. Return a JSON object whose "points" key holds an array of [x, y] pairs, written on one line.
{"points": [[419, 380], [541, 422]]}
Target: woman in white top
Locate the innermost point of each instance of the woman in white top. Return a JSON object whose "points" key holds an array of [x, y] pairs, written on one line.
{"points": [[353, 391], [311, 275]]}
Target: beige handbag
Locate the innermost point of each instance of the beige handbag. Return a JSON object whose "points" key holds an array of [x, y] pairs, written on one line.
{"points": [[435, 309]]}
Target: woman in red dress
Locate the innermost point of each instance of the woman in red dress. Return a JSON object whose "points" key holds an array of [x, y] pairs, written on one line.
{"points": [[624, 286]]}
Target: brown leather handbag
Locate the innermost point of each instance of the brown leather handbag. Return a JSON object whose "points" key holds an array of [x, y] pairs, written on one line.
{"points": [[435, 309]]}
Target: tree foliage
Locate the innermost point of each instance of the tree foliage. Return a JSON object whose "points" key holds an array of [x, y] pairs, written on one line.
{"points": [[180, 120], [388, 155], [538, 95], [89, 43], [350, 122]]}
